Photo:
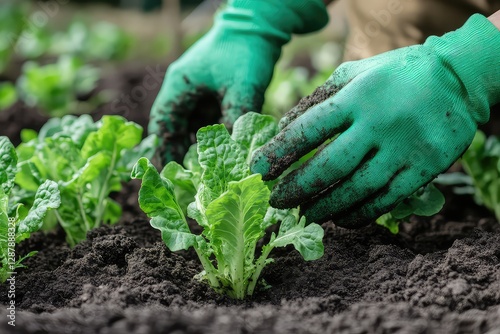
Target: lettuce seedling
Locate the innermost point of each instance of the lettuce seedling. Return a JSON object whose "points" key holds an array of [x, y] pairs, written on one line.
{"points": [[16, 222], [228, 202], [88, 161]]}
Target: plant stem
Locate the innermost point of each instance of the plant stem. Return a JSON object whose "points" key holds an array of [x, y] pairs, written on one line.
{"points": [[103, 191], [71, 241], [261, 263], [82, 212], [209, 269]]}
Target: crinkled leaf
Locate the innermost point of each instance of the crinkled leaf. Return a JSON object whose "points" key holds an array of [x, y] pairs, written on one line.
{"points": [[253, 130], [8, 165], [235, 220], [47, 197], [157, 200], [221, 158], [307, 240], [4, 222]]}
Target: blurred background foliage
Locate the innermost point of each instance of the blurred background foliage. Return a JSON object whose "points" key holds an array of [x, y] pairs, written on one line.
{"points": [[54, 52]]}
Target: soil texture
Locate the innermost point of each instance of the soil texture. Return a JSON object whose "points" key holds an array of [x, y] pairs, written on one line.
{"points": [[438, 275]]}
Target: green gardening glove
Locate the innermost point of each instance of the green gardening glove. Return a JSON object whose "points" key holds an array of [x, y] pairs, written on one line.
{"points": [[401, 118], [231, 65]]}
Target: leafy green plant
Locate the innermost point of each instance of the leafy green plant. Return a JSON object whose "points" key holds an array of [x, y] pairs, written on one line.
{"points": [[54, 88], [16, 222], [427, 201], [228, 202], [88, 161]]}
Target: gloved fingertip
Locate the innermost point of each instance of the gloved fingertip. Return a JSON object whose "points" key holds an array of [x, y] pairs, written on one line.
{"points": [[260, 164], [278, 198]]}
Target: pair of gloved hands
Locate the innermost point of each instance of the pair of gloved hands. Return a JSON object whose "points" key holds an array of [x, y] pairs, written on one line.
{"points": [[401, 117]]}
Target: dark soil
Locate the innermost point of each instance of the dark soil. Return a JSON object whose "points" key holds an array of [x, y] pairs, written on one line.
{"points": [[435, 277], [439, 275]]}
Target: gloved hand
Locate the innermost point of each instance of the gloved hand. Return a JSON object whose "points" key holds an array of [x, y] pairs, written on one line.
{"points": [[401, 118], [231, 65]]}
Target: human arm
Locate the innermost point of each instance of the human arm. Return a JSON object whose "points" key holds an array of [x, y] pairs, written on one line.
{"points": [[231, 65], [401, 118]]}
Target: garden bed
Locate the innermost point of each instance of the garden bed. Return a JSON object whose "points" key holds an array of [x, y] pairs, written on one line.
{"points": [[438, 275]]}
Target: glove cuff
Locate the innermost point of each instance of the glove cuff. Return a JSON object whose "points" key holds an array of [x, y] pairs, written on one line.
{"points": [[473, 53], [275, 18]]}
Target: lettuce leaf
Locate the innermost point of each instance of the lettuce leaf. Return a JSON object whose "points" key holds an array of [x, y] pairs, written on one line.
{"points": [[230, 204]]}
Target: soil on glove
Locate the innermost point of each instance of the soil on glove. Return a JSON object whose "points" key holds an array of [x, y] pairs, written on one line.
{"points": [[439, 275]]}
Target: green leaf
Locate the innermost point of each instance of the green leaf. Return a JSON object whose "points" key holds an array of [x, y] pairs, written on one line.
{"points": [[191, 160], [235, 220], [8, 165], [157, 200], [426, 201], [253, 130], [47, 197], [146, 149], [28, 135], [221, 158], [388, 221], [307, 240], [113, 135], [90, 171], [273, 215], [183, 181]]}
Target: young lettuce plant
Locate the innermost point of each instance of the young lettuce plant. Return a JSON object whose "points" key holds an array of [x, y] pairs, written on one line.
{"points": [[88, 161], [16, 222], [228, 202]]}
